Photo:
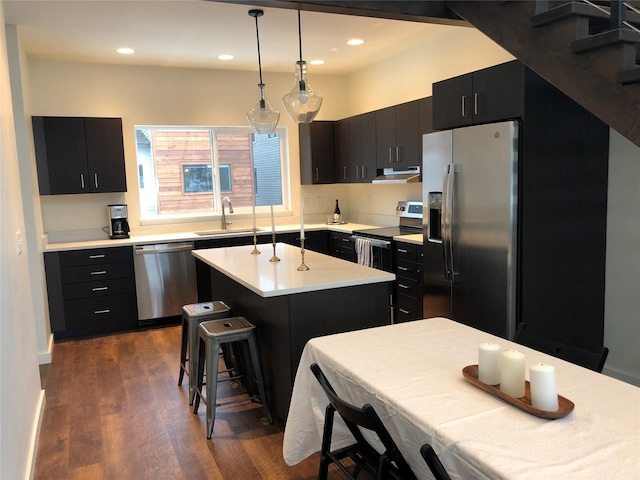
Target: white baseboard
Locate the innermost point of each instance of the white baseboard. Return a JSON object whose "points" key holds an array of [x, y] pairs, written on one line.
{"points": [[35, 435], [620, 375], [46, 357]]}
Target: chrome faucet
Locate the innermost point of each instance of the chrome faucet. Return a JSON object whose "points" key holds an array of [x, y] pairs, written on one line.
{"points": [[224, 216]]}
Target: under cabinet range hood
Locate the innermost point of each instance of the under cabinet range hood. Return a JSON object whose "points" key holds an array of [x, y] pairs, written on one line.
{"points": [[398, 175]]}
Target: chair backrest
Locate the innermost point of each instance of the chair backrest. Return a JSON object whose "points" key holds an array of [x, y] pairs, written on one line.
{"points": [[585, 358], [364, 417], [434, 463]]}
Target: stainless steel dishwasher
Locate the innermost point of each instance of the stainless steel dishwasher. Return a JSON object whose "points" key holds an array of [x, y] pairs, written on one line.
{"points": [[165, 280]]}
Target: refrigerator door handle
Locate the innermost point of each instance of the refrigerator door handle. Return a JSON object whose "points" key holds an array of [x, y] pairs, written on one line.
{"points": [[447, 221]]}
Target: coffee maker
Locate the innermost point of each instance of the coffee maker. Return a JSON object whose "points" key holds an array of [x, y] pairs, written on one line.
{"points": [[118, 223]]}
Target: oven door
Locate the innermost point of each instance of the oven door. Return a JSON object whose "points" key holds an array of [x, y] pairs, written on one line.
{"points": [[373, 252]]}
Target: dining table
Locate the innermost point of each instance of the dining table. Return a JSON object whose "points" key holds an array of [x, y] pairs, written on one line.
{"points": [[412, 374]]}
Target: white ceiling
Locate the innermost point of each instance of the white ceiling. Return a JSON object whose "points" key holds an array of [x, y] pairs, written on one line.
{"points": [[192, 33]]}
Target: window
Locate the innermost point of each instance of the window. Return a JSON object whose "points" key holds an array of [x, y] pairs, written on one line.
{"points": [[196, 178], [187, 170]]}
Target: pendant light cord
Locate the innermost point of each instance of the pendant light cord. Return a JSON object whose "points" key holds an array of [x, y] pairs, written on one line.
{"points": [[299, 36], [258, 42]]}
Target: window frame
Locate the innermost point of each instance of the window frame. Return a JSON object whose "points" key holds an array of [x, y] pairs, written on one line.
{"points": [[216, 212]]}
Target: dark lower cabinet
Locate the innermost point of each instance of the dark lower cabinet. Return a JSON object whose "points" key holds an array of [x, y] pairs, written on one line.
{"points": [[341, 246], [91, 291], [408, 285]]}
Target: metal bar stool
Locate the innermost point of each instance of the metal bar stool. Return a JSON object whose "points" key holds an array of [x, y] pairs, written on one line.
{"points": [[192, 316], [213, 334]]}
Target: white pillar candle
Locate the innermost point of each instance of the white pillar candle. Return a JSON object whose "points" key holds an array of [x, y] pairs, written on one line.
{"points": [[542, 381], [253, 210], [489, 363], [302, 219], [273, 221], [512, 370]]}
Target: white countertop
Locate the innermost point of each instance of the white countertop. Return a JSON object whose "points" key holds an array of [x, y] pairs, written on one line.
{"points": [[415, 238], [272, 279], [192, 236]]}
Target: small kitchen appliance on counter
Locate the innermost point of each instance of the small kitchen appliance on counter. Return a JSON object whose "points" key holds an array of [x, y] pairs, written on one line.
{"points": [[118, 223]]}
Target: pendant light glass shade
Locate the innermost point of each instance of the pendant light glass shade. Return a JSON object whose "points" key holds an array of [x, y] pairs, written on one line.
{"points": [[262, 118], [302, 103]]}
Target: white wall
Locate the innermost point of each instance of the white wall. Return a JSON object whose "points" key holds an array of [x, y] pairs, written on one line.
{"points": [[21, 398], [622, 299], [157, 96]]}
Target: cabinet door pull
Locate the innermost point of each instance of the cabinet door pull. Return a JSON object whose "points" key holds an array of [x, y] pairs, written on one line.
{"points": [[317, 175], [402, 285], [364, 172], [82, 181], [97, 256], [99, 289], [475, 103], [404, 269], [95, 180], [390, 155], [398, 154], [463, 110], [345, 173], [101, 272], [402, 250], [406, 312], [102, 311]]}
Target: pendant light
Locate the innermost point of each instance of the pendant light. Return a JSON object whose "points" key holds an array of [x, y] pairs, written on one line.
{"points": [[262, 117], [301, 103]]}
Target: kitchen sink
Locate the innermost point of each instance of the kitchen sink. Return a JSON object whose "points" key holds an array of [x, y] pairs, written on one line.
{"points": [[208, 233]]}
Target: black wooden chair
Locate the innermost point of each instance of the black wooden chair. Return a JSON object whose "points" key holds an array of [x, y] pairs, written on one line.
{"points": [[434, 463], [584, 358], [390, 464]]}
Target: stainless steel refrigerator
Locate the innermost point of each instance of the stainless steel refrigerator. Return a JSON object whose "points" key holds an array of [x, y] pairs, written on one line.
{"points": [[469, 181]]}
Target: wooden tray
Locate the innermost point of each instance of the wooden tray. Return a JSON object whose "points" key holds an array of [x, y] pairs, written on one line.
{"points": [[565, 406]]}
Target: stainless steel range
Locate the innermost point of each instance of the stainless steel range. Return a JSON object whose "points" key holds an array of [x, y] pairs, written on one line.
{"points": [[374, 246]]}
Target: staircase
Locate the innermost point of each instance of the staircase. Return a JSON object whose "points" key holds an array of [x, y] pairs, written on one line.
{"points": [[588, 50]]}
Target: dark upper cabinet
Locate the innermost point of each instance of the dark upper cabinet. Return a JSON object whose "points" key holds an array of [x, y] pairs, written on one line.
{"points": [[79, 155], [369, 155], [356, 149], [344, 150], [488, 95], [317, 152], [398, 136]]}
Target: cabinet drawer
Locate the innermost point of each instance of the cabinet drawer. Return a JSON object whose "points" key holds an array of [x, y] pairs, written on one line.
{"points": [[95, 256], [406, 251], [93, 273], [408, 287], [109, 313], [408, 309], [407, 269], [101, 288]]}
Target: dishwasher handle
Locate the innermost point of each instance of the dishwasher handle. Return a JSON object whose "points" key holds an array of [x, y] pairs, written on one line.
{"points": [[159, 248]]}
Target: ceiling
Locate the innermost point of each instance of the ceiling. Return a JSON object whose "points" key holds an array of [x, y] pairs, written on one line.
{"points": [[192, 33]]}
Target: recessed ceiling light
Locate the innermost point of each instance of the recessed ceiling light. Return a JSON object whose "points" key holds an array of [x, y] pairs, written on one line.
{"points": [[317, 62], [225, 56], [125, 50], [355, 41]]}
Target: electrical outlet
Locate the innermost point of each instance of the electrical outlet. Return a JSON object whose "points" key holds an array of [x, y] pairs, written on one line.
{"points": [[320, 202], [306, 202], [19, 242]]}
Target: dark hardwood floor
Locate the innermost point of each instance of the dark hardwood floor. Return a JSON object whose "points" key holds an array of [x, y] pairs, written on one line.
{"points": [[114, 411]]}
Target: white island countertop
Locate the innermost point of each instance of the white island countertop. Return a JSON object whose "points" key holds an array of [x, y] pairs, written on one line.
{"points": [[272, 279]]}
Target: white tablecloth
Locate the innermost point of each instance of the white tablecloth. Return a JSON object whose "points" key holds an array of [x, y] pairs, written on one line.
{"points": [[412, 374]]}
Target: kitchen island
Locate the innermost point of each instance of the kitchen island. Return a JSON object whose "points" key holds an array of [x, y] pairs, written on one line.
{"points": [[289, 307]]}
